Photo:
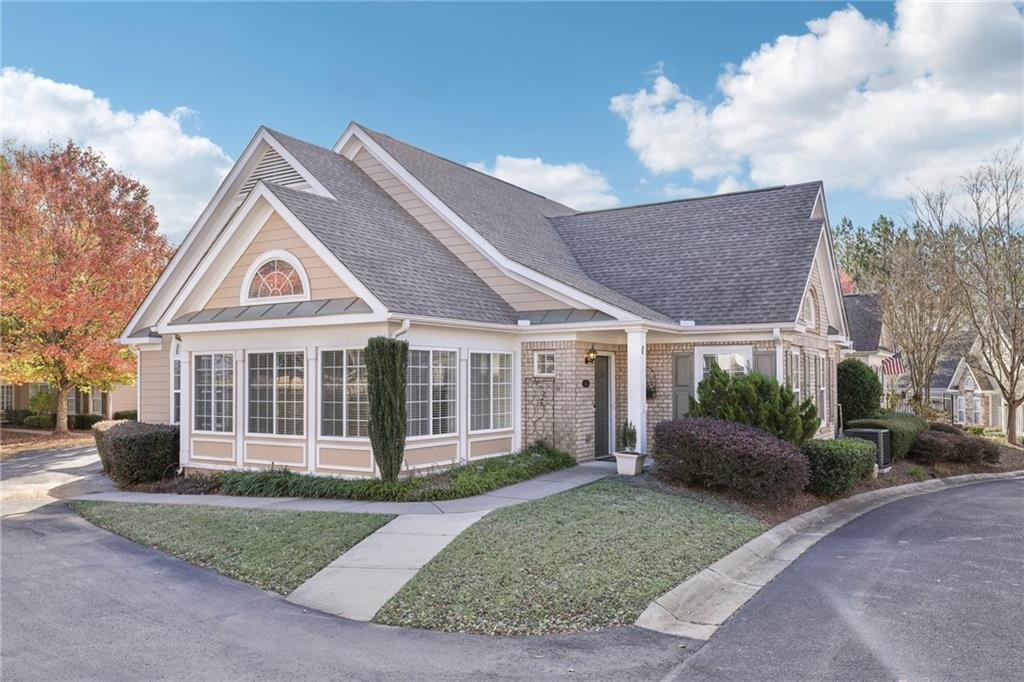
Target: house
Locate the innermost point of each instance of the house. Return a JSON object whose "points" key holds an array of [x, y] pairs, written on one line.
{"points": [[526, 319], [93, 401], [963, 390], [871, 339]]}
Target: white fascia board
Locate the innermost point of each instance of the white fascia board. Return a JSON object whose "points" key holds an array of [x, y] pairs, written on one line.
{"points": [[262, 213], [509, 267], [225, 191], [833, 263], [277, 323]]}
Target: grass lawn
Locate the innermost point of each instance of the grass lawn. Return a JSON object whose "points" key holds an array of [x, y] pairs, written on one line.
{"points": [[584, 559], [275, 550]]}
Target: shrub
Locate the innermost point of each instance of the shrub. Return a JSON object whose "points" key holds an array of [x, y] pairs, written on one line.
{"points": [[904, 427], [756, 400], [945, 446], [837, 466], [386, 361], [139, 452], [721, 454], [976, 430], [126, 414], [40, 421], [945, 427], [43, 402], [101, 431], [858, 389], [627, 437], [83, 421], [16, 417], [474, 478]]}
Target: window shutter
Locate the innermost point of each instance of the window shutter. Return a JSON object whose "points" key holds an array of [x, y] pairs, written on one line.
{"points": [[682, 384]]}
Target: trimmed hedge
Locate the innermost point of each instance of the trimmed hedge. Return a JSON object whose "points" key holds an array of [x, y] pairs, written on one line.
{"points": [[905, 429], [945, 446], [858, 389], [720, 454], [16, 417], [837, 466], [127, 414], [470, 479], [134, 452], [945, 427], [83, 421], [40, 421]]}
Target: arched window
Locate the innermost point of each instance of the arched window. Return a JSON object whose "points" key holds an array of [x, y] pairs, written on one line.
{"points": [[275, 276], [809, 311]]}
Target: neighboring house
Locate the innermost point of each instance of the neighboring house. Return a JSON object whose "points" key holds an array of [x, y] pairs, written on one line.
{"points": [[871, 339], [526, 319], [106, 403], [963, 390]]}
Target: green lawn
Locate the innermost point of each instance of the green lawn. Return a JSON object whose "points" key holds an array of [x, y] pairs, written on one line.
{"points": [[584, 559], [275, 550]]}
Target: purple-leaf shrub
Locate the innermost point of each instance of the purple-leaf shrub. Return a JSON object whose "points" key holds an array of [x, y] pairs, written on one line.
{"points": [[726, 455]]}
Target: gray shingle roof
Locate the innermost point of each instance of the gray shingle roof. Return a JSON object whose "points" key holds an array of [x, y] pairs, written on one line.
{"points": [[514, 220], [865, 318], [728, 259], [397, 259], [955, 350]]}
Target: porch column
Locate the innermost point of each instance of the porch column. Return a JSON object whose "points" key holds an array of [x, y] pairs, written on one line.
{"points": [[185, 414], [636, 384]]}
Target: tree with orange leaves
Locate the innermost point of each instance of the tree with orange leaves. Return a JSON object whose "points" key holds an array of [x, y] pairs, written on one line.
{"points": [[80, 250]]}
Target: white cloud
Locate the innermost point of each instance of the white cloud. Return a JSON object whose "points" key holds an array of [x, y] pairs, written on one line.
{"points": [[182, 170], [573, 184], [674, 191], [855, 102]]}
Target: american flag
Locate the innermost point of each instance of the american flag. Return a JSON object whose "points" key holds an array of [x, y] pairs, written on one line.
{"points": [[893, 366]]}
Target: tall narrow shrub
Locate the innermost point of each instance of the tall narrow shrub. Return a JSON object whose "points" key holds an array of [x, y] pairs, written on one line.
{"points": [[858, 389], [386, 361]]}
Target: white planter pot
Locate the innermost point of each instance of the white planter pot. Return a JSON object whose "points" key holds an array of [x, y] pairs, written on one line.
{"points": [[629, 463]]}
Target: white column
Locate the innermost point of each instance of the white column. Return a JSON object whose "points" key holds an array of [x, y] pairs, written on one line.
{"points": [[185, 421], [312, 406], [636, 384], [517, 399], [462, 392], [241, 409]]}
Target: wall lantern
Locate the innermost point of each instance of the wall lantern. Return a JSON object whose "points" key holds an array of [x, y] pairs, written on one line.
{"points": [[590, 356]]}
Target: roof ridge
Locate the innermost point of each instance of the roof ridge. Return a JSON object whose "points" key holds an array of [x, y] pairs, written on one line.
{"points": [[756, 190], [463, 166]]}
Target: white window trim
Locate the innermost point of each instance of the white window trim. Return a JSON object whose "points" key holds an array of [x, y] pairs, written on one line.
{"points": [[536, 364], [794, 370], [700, 351], [820, 391], [344, 405], [430, 402], [176, 356], [812, 319], [469, 391], [95, 393], [959, 408], [977, 411], [305, 394], [192, 394], [258, 262]]}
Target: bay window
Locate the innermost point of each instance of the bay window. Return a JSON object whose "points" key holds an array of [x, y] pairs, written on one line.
{"points": [[490, 391], [214, 391], [432, 393], [344, 398], [277, 393]]}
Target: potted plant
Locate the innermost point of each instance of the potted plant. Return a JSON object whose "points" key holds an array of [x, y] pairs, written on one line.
{"points": [[628, 461]]}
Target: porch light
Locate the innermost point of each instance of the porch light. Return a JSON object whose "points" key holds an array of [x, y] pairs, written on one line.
{"points": [[590, 356]]}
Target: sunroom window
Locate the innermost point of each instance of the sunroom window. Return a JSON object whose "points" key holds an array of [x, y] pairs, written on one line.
{"points": [[213, 391], [490, 391], [344, 399], [432, 393], [277, 393]]}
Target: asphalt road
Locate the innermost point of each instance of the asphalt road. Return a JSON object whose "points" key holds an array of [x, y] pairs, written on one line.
{"points": [[927, 588]]}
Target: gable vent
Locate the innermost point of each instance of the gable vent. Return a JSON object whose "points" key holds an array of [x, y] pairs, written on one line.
{"points": [[274, 169]]}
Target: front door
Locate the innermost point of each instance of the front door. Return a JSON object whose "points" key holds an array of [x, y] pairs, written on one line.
{"points": [[602, 448]]}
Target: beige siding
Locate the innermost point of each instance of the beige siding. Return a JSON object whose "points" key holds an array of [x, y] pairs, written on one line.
{"points": [[122, 398], [518, 295], [284, 453], [485, 446], [430, 455], [155, 384], [354, 460], [216, 450], [276, 234]]}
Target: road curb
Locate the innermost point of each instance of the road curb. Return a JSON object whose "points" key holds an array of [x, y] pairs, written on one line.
{"points": [[699, 605]]}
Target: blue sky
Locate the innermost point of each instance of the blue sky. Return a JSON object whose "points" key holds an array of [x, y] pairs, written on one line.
{"points": [[470, 82]]}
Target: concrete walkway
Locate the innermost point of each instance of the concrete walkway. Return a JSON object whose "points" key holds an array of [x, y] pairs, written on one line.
{"points": [[359, 582]]}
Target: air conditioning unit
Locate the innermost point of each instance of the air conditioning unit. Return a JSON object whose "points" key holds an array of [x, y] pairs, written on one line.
{"points": [[883, 445]]}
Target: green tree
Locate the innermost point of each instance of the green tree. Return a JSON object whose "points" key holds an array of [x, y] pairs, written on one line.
{"points": [[386, 362], [858, 389]]}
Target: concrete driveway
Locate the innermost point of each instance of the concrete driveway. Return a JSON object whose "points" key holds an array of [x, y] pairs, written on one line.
{"points": [[930, 587]]}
